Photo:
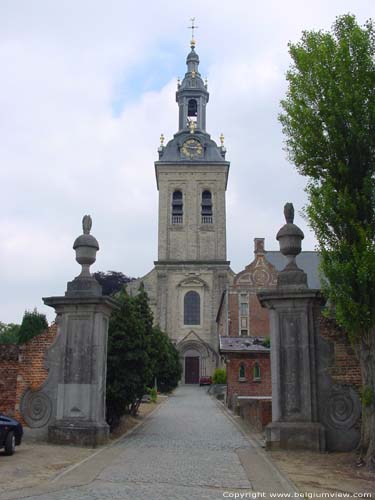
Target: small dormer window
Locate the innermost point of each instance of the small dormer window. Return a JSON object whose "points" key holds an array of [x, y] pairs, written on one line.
{"points": [[206, 207], [192, 110], [177, 208]]}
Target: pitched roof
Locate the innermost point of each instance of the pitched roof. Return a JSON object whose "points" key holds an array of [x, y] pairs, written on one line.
{"points": [[243, 344]]}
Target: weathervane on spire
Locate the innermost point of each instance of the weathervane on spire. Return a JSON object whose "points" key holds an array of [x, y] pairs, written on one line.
{"points": [[192, 28]]}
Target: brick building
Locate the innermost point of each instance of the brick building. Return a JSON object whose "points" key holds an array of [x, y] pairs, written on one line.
{"points": [[243, 328]]}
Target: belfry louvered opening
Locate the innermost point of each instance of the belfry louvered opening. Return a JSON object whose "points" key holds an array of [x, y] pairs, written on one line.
{"points": [[177, 208], [206, 207]]}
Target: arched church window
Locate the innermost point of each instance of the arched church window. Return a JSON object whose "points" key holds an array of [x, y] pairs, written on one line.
{"points": [[256, 372], [206, 207], [241, 372], [177, 207], [192, 308], [192, 109]]}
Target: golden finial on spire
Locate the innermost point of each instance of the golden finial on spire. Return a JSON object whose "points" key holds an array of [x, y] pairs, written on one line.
{"points": [[222, 140], [162, 140], [192, 126], [192, 28]]}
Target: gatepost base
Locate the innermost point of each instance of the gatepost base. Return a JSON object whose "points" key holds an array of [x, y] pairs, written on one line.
{"points": [[295, 435], [86, 434]]}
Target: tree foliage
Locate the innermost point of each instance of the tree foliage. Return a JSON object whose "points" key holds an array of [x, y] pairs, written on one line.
{"points": [[138, 353], [127, 360], [33, 323], [219, 376], [328, 119], [9, 333], [165, 359], [112, 282]]}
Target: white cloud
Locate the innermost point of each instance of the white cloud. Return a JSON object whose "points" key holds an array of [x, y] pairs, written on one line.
{"points": [[64, 153]]}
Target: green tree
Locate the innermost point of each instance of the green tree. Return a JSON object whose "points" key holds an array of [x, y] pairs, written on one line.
{"points": [[137, 354], [127, 361], [33, 323], [329, 121], [146, 320], [9, 333], [165, 361], [112, 281]]}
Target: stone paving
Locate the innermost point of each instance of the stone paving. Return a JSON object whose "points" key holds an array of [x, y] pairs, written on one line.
{"points": [[186, 450]]}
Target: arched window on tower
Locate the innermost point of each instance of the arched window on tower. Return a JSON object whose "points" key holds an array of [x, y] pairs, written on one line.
{"points": [[192, 308], [192, 110], [177, 208], [242, 372], [206, 207]]}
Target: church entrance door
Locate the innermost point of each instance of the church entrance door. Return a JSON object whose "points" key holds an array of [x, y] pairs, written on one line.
{"points": [[192, 370]]}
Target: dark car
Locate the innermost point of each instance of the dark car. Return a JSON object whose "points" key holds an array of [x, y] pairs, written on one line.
{"points": [[10, 434], [205, 380]]}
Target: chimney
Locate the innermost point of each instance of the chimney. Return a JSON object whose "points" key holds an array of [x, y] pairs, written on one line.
{"points": [[259, 246]]}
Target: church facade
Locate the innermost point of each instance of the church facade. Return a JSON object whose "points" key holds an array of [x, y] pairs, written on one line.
{"points": [[192, 270]]}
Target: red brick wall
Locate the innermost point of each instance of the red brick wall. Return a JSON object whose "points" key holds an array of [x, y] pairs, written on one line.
{"points": [[21, 368], [8, 377], [257, 413], [233, 314], [31, 371], [259, 318], [345, 369], [249, 387]]}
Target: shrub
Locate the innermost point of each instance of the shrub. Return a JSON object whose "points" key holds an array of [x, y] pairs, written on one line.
{"points": [[153, 394], [33, 323], [267, 342], [219, 376]]}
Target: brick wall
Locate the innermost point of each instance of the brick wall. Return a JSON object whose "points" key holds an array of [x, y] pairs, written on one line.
{"points": [[249, 387], [8, 377], [31, 371], [345, 369], [259, 318], [257, 413], [21, 368]]}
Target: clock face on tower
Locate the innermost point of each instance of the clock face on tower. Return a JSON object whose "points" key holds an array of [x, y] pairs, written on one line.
{"points": [[192, 149]]}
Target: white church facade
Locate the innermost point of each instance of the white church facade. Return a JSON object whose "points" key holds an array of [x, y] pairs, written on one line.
{"points": [[192, 270]]}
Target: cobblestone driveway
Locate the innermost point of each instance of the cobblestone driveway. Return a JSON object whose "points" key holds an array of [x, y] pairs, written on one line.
{"points": [[185, 450]]}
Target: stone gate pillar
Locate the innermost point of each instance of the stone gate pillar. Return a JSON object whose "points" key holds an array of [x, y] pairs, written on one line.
{"points": [[83, 315], [294, 310]]}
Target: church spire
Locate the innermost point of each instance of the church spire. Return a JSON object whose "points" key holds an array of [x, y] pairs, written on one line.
{"points": [[192, 95]]}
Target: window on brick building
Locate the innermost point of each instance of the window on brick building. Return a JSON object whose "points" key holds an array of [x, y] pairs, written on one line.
{"points": [[256, 372], [241, 372], [192, 308], [243, 314], [206, 207], [177, 207]]}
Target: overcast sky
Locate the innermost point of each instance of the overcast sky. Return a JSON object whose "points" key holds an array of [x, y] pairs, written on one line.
{"points": [[87, 87]]}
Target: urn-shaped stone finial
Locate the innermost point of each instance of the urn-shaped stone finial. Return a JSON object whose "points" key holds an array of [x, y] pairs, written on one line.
{"points": [[86, 247], [290, 237]]}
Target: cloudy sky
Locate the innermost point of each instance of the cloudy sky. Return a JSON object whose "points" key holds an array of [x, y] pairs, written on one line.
{"points": [[86, 88]]}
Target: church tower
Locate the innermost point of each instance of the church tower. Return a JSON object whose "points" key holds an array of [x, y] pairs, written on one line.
{"points": [[191, 177], [191, 271]]}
